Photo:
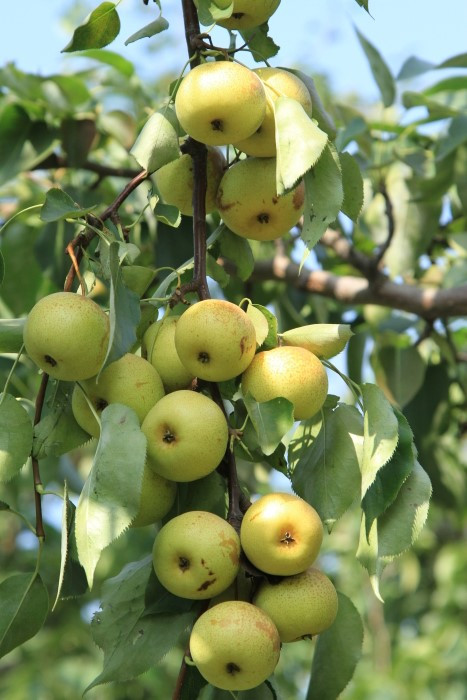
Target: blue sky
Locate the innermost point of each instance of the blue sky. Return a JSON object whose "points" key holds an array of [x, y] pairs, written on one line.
{"points": [[318, 34]]}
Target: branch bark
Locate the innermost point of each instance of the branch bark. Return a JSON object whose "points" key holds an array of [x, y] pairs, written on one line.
{"points": [[428, 303]]}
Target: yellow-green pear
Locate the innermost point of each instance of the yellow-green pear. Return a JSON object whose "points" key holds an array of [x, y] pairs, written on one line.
{"points": [[157, 498], [281, 534], [300, 606], [187, 436], [175, 181], [277, 82], [131, 381], [249, 205], [215, 340], [66, 335], [322, 339], [220, 102], [291, 372], [196, 555], [249, 13], [159, 347], [235, 645]]}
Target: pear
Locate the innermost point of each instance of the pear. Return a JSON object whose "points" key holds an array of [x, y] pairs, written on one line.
{"points": [[66, 335], [157, 498], [196, 555], [277, 82], [215, 340], [187, 436], [131, 381], [281, 534], [159, 348], [291, 372], [220, 102], [249, 205], [175, 181], [247, 14], [300, 606], [235, 645], [322, 339]]}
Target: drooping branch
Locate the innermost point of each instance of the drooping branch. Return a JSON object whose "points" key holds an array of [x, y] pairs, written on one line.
{"points": [[428, 303]]}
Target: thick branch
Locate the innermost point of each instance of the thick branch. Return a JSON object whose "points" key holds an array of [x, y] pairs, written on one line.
{"points": [[424, 302]]}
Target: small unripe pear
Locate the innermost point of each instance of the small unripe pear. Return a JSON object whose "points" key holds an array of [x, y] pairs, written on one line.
{"points": [[66, 335], [159, 347], [248, 203], [247, 13], [215, 340], [235, 645], [220, 102], [157, 498], [291, 372], [322, 339], [175, 181], [300, 606]]}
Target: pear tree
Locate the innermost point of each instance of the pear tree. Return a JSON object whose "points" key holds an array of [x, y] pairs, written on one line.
{"points": [[230, 496]]}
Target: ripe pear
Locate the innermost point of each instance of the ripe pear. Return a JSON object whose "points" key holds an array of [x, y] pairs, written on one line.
{"points": [[291, 372], [281, 534], [220, 102], [247, 14], [131, 380], [215, 340], [196, 555], [175, 181], [159, 347], [235, 645], [322, 339], [157, 498], [187, 436], [66, 335], [277, 83], [300, 606], [249, 205]]}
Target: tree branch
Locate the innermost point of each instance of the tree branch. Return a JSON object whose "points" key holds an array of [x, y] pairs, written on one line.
{"points": [[428, 303]]}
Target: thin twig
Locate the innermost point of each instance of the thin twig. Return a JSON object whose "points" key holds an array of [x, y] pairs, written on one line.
{"points": [[35, 463], [391, 226]]}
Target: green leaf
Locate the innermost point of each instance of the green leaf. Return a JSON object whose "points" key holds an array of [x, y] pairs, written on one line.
{"points": [[414, 66], [59, 205], [193, 683], [270, 341], [238, 250], [57, 432], [125, 312], [260, 44], [381, 72], [207, 493], [265, 691], [458, 61], [380, 433], [111, 495], [15, 126], [400, 372], [271, 420], [2, 269], [324, 456], [397, 529], [324, 119], [110, 58], [260, 323], [300, 142], [159, 25], [98, 30], [132, 642], [216, 271], [457, 134], [11, 332], [352, 183], [383, 491], [25, 604], [209, 11], [158, 599], [72, 578], [157, 143], [168, 214], [324, 194], [364, 4], [15, 437], [338, 651]]}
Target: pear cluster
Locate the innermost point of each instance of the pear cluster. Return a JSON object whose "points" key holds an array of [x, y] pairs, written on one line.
{"points": [[223, 103]]}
